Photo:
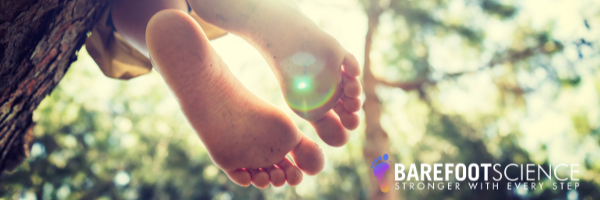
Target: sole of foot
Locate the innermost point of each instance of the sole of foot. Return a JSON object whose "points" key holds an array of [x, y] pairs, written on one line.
{"points": [[247, 137], [317, 76]]}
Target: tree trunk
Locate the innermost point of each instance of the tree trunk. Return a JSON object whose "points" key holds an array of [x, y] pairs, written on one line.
{"points": [[376, 139], [39, 39]]}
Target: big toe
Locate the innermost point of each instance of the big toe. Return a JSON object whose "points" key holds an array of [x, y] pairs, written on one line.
{"points": [[240, 177], [330, 129], [351, 66], [308, 156]]}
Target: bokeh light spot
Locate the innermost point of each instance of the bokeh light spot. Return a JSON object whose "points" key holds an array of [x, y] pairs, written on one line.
{"points": [[122, 178]]}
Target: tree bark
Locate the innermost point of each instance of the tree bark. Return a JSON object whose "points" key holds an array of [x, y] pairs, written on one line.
{"points": [[39, 39]]}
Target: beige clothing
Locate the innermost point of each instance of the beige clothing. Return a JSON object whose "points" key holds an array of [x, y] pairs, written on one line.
{"points": [[117, 58]]}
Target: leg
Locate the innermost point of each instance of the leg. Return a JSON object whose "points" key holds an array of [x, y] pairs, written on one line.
{"points": [[307, 61]]}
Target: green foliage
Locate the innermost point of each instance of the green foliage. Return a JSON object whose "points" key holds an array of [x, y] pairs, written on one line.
{"points": [[493, 7], [99, 138], [500, 90], [493, 97]]}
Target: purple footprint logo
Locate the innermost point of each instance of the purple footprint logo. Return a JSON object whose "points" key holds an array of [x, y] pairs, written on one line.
{"points": [[379, 168]]}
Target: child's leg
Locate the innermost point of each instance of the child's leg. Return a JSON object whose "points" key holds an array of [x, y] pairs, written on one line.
{"points": [[306, 60], [238, 129]]}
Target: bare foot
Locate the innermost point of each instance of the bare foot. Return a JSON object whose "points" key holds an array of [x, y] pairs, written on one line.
{"points": [[245, 136], [307, 61]]}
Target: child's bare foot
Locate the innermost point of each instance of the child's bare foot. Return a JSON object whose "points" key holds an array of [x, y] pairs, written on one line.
{"points": [[246, 137], [306, 60]]}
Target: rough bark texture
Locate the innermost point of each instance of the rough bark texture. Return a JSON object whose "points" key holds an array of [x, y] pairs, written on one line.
{"points": [[39, 39]]}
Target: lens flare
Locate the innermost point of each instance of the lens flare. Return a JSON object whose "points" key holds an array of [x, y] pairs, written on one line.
{"points": [[307, 90], [305, 97], [301, 85]]}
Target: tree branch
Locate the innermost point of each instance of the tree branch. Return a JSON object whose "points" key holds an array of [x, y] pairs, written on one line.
{"points": [[510, 56], [406, 86]]}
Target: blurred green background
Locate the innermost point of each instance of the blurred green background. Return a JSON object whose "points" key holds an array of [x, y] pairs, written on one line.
{"points": [[498, 81]]}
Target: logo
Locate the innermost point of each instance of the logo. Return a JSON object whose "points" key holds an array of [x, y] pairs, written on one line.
{"points": [[380, 166], [451, 176]]}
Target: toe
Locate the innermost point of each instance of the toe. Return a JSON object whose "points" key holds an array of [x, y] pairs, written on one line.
{"points": [[239, 176], [350, 120], [330, 129], [308, 156], [276, 175], [351, 86], [351, 65], [293, 176], [260, 178], [351, 104]]}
